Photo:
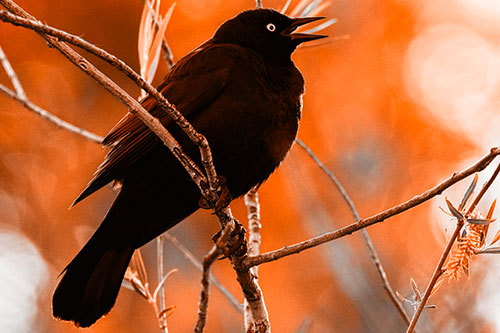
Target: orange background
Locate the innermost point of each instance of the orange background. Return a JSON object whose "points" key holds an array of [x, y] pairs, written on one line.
{"points": [[358, 117]]}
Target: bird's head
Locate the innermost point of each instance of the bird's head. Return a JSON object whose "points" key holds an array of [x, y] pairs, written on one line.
{"points": [[266, 31]]}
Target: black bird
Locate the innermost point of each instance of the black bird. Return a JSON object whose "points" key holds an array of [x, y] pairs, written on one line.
{"points": [[243, 92]]}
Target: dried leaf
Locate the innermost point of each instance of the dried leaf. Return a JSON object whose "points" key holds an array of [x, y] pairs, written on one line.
{"points": [[447, 213], [299, 8], [418, 295], [491, 250], [321, 7], [146, 29], [436, 287], [322, 26], [134, 283], [310, 7], [453, 210], [162, 282], [137, 265], [155, 48], [480, 221], [167, 312], [489, 217], [468, 193], [491, 210], [285, 6], [496, 238]]}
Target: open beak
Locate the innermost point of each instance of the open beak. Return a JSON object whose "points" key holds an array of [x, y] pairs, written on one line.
{"points": [[299, 38]]}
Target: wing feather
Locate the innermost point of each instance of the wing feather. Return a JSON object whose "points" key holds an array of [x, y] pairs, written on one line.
{"points": [[194, 83]]}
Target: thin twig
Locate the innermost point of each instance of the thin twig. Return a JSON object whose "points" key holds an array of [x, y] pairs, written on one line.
{"points": [[209, 259], [161, 273], [50, 117], [20, 96], [12, 75], [363, 223], [196, 263], [364, 233], [439, 268]]}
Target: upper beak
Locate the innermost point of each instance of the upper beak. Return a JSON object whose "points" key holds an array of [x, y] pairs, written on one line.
{"points": [[301, 37]]}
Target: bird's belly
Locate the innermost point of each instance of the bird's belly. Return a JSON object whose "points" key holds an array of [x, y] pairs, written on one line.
{"points": [[248, 143]]}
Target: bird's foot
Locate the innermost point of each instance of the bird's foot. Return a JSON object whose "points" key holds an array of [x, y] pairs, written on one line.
{"points": [[224, 200], [236, 244]]}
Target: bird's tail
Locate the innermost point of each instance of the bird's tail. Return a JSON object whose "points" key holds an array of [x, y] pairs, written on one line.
{"points": [[90, 285]]}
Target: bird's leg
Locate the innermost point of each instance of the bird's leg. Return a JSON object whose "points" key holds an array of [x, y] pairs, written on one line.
{"points": [[237, 243], [224, 200]]}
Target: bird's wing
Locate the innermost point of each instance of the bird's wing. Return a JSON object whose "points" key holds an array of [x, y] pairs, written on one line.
{"points": [[194, 83]]}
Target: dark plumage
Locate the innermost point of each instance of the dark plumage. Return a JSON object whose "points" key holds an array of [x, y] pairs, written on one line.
{"points": [[242, 91]]}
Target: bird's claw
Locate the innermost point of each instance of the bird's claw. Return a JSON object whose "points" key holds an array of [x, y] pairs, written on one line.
{"points": [[224, 199], [237, 243]]}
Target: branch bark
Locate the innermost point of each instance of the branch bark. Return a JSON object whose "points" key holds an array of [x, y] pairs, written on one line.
{"points": [[55, 36], [209, 259], [363, 223], [254, 240]]}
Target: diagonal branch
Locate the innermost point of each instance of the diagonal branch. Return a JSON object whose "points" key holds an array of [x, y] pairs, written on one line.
{"points": [[364, 233], [12, 75], [23, 19], [363, 223]]}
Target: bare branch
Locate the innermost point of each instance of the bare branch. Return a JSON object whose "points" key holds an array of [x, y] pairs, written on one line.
{"points": [[363, 223], [50, 117], [254, 226], [161, 289], [209, 259], [254, 240], [12, 75], [439, 268], [23, 19], [364, 233], [20, 96]]}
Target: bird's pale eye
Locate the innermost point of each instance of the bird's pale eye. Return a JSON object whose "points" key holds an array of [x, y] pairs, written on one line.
{"points": [[271, 27]]}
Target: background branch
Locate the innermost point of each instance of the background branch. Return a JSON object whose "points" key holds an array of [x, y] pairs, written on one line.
{"points": [[364, 233], [12, 75], [50, 117]]}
